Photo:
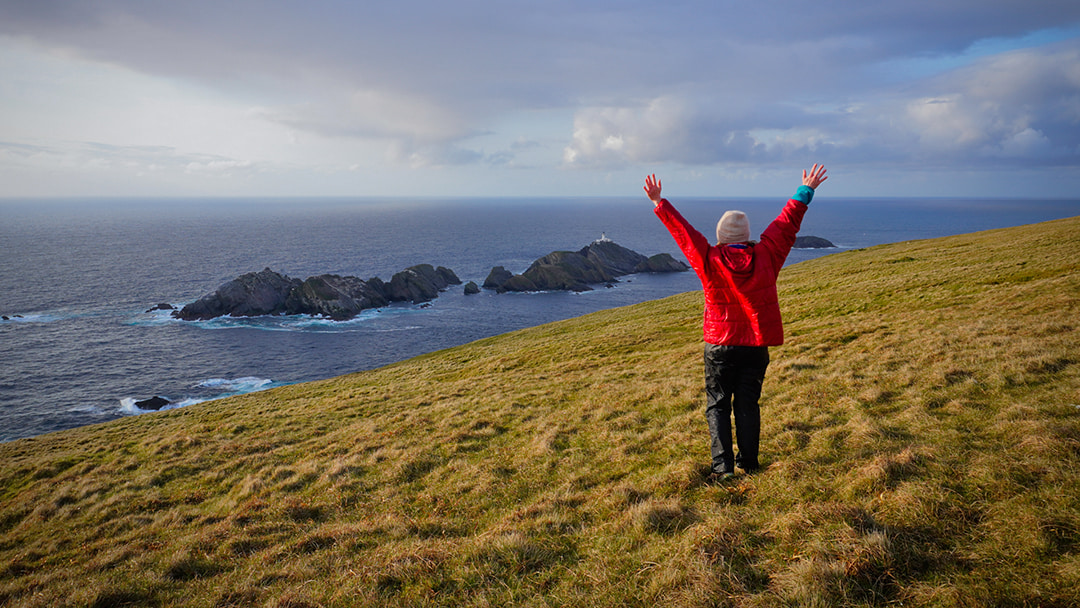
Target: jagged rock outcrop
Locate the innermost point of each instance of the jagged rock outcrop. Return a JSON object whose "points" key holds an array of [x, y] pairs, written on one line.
{"points": [[614, 258], [567, 271], [334, 296], [812, 242], [421, 283], [600, 262], [152, 404], [661, 262], [497, 277], [328, 295], [471, 288], [249, 295], [448, 275]]}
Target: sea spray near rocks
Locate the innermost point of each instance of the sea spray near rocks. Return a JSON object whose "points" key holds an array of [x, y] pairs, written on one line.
{"points": [[206, 390]]}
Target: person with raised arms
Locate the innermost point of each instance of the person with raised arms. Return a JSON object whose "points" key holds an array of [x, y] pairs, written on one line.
{"points": [[742, 314]]}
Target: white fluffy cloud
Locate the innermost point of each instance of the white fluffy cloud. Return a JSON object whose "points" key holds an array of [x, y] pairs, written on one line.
{"points": [[1023, 105], [1020, 105]]}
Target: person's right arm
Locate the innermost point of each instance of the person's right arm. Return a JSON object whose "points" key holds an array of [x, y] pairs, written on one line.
{"points": [[692, 243]]}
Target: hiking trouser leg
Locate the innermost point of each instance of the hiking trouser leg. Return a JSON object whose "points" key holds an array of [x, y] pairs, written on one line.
{"points": [[753, 363], [719, 387], [733, 376]]}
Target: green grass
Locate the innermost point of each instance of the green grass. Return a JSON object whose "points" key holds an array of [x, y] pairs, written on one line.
{"points": [[921, 443]]}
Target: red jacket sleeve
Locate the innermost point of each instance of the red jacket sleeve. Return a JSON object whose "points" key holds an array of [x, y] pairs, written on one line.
{"points": [[779, 237], [692, 243]]}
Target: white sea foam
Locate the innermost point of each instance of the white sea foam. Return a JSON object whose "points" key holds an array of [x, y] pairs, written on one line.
{"points": [[246, 384], [154, 317], [127, 406], [299, 323], [219, 387], [288, 323], [30, 318], [87, 408]]}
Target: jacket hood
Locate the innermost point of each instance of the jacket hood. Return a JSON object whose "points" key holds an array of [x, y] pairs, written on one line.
{"points": [[740, 260]]}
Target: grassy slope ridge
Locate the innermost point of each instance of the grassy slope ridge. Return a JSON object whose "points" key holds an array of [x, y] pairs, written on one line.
{"points": [[921, 437]]}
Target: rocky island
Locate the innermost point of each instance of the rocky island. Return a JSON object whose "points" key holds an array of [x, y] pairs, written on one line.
{"points": [[812, 242], [600, 262], [328, 295]]}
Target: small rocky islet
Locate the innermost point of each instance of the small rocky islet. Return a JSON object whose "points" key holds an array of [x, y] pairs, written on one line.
{"points": [[328, 295], [812, 242], [601, 262]]}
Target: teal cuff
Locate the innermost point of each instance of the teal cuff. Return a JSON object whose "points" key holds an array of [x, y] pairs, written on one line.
{"points": [[804, 194]]}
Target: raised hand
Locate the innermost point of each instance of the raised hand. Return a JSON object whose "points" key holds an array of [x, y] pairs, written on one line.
{"points": [[816, 177], [652, 189]]}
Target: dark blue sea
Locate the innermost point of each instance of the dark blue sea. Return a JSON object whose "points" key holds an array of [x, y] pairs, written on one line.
{"points": [[81, 274]]}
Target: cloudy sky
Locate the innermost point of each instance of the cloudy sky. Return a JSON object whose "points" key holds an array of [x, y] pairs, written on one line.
{"points": [[545, 97]]}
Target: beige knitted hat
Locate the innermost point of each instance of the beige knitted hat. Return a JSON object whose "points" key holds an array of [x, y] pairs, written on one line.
{"points": [[733, 227]]}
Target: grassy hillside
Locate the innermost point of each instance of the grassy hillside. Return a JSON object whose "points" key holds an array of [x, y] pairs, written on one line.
{"points": [[921, 445]]}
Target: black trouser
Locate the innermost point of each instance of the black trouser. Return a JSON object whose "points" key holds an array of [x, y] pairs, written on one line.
{"points": [[734, 373]]}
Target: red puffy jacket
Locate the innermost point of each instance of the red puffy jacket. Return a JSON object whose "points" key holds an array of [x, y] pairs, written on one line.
{"points": [[739, 283]]}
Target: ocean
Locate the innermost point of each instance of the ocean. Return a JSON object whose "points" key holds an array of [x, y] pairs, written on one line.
{"points": [[77, 278]]}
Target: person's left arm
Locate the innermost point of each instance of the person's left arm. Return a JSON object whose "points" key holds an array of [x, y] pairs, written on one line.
{"points": [[781, 233]]}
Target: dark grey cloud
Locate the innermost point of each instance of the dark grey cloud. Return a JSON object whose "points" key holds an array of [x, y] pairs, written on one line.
{"points": [[694, 82], [513, 50]]}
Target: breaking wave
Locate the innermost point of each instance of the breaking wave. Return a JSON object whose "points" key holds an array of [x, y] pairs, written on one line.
{"points": [[206, 390], [301, 323]]}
